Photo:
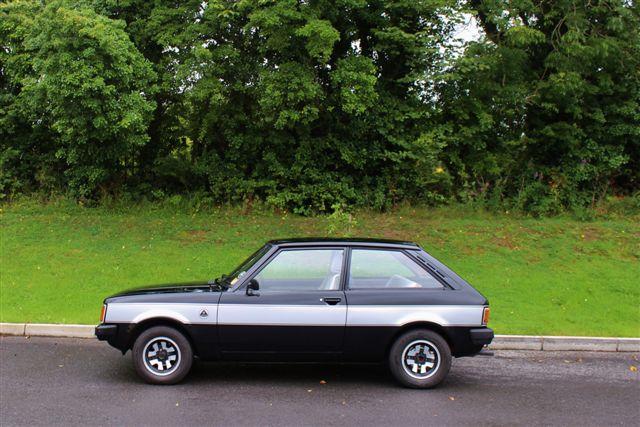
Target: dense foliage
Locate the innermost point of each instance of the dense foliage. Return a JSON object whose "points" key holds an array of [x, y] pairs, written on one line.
{"points": [[311, 105], [547, 108]]}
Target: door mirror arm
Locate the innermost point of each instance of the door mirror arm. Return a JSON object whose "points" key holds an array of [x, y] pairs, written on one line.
{"points": [[253, 288]]}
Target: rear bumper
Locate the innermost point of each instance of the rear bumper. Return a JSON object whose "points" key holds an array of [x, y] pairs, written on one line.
{"points": [[481, 336], [106, 332]]}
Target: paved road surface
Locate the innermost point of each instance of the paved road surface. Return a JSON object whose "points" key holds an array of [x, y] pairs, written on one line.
{"points": [[73, 381]]}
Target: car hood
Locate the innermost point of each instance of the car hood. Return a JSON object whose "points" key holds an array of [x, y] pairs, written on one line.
{"points": [[169, 288]]}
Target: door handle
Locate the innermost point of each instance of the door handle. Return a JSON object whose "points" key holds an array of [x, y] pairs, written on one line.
{"points": [[331, 301]]}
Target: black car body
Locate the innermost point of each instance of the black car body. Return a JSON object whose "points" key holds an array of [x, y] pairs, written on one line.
{"points": [[346, 300]]}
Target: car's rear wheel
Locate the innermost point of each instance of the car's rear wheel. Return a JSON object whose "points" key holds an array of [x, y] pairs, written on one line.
{"points": [[420, 359], [162, 355]]}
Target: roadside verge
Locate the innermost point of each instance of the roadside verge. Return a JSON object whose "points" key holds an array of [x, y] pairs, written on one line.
{"points": [[500, 342]]}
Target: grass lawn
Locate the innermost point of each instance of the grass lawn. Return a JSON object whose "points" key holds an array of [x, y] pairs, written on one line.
{"points": [[554, 276]]}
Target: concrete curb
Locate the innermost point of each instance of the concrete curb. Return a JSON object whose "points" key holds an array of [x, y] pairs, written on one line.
{"points": [[500, 342], [555, 343], [47, 330]]}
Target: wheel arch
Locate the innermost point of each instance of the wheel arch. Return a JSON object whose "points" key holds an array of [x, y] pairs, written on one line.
{"points": [[439, 329], [151, 322]]}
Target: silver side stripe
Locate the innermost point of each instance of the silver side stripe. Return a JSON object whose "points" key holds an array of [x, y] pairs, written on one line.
{"points": [[183, 313], [285, 315], [398, 315], [297, 315]]}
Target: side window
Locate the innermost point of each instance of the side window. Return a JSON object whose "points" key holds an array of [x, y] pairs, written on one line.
{"points": [[380, 269], [302, 270]]}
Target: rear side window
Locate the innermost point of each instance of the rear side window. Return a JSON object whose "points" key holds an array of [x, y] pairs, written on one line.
{"points": [[385, 269]]}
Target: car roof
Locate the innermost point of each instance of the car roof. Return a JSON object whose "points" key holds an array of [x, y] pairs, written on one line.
{"points": [[356, 241]]}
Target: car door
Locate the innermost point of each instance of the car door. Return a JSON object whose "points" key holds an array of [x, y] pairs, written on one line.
{"points": [[299, 309]]}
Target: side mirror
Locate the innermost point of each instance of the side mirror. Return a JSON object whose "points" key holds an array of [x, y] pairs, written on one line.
{"points": [[253, 288]]}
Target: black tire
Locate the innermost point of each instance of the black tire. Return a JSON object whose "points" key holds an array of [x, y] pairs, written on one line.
{"points": [[162, 369], [431, 347]]}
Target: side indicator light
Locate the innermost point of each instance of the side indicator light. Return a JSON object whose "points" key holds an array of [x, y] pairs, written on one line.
{"points": [[103, 313], [485, 315]]}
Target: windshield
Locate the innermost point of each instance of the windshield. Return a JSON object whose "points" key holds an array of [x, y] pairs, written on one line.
{"points": [[242, 269]]}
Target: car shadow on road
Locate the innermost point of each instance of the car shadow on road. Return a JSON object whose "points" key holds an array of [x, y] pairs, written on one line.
{"points": [[290, 373], [280, 374], [230, 373]]}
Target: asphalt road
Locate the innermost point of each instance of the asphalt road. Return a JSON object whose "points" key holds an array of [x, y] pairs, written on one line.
{"points": [[73, 381]]}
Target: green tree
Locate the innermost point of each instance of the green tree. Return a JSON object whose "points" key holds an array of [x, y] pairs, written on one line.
{"points": [[318, 105], [156, 28], [311, 104], [545, 110], [86, 83], [27, 160]]}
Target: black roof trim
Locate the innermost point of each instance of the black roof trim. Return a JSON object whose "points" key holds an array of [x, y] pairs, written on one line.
{"points": [[326, 241]]}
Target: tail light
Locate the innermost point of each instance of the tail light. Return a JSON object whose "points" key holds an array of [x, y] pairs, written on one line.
{"points": [[103, 313], [485, 315]]}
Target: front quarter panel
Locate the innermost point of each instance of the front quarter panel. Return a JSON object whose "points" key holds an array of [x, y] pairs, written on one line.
{"points": [[195, 314]]}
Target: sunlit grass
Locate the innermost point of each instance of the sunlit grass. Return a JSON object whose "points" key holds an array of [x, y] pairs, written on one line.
{"points": [[542, 276]]}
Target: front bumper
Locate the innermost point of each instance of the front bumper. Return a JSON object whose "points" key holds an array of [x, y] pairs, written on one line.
{"points": [[481, 336], [106, 332]]}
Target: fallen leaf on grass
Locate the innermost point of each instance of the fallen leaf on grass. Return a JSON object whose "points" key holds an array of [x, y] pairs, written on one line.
{"points": [[452, 398], [633, 368]]}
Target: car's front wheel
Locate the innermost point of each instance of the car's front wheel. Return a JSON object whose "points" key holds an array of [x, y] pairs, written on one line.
{"points": [[162, 355], [420, 359]]}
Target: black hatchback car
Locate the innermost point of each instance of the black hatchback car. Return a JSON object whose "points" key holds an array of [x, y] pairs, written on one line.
{"points": [[343, 300]]}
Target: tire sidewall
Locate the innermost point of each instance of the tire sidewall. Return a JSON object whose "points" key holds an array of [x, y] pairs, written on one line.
{"points": [[186, 355], [396, 362]]}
